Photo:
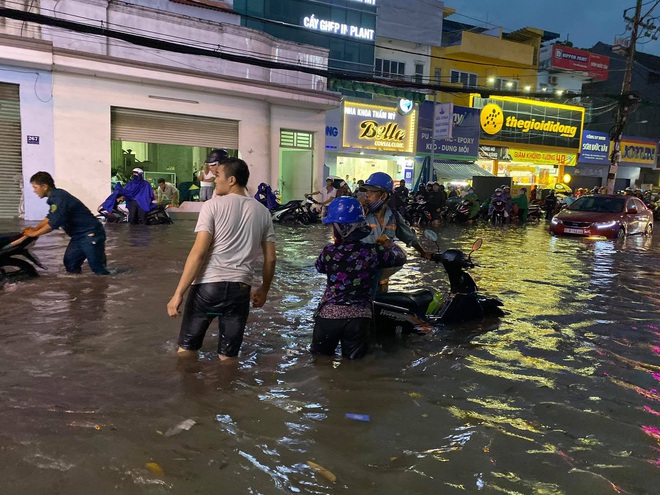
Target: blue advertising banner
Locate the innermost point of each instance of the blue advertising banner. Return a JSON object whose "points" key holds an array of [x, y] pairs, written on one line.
{"points": [[595, 148], [464, 145]]}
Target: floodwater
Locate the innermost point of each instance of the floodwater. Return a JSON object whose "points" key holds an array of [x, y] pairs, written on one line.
{"points": [[561, 396]]}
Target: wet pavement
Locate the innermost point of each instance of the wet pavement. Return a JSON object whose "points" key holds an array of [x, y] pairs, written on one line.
{"points": [[561, 397]]}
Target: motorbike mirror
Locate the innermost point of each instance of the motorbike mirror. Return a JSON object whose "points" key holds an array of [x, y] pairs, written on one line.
{"points": [[477, 244], [431, 235]]}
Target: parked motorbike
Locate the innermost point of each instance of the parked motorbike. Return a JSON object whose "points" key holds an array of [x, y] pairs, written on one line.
{"points": [[16, 260], [119, 214], [296, 212], [420, 213], [535, 213], [462, 212], [448, 213], [421, 311]]}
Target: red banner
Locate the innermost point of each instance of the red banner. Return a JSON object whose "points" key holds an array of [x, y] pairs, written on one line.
{"points": [[565, 57], [598, 66]]}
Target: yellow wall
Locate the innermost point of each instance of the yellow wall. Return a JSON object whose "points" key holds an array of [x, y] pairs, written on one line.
{"points": [[486, 56]]}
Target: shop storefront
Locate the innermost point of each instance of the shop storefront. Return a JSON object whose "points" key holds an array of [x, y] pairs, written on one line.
{"points": [[166, 145], [532, 142], [453, 158], [372, 137], [639, 158]]}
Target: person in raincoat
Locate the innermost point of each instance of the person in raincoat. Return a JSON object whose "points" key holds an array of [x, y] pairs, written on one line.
{"points": [[266, 196], [474, 199], [523, 206], [139, 197]]}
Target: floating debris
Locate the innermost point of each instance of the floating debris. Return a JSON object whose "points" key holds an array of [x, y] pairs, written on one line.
{"points": [[358, 417], [184, 425], [329, 475], [155, 468]]}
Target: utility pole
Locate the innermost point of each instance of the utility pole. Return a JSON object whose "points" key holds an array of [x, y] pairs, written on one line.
{"points": [[624, 103]]}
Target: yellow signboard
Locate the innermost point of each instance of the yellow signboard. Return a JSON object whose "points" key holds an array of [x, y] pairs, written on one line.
{"points": [[528, 123], [379, 127], [543, 157], [640, 151]]}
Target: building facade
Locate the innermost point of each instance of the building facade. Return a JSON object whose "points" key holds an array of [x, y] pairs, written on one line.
{"points": [[87, 105]]}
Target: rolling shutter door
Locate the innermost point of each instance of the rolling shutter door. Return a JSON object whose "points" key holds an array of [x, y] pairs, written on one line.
{"points": [[11, 166], [172, 128]]}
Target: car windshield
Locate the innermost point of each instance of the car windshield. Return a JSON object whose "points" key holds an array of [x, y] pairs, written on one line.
{"points": [[600, 205]]}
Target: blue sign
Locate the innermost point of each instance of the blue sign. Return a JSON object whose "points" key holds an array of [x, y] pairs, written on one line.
{"points": [[464, 143], [332, 129], [33, 140], [595, 148]]}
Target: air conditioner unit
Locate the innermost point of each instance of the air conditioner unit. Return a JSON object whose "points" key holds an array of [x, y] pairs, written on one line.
{"points": [[553, 80]]}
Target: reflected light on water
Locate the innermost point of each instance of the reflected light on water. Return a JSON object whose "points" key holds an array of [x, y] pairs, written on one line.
{"points": [[559, 396]]}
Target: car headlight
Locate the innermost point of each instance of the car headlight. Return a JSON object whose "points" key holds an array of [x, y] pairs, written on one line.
{"points": [[555, 221], [605, 225]]}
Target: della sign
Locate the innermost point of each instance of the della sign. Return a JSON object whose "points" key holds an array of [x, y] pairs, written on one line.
{"points": [[378, 127]]}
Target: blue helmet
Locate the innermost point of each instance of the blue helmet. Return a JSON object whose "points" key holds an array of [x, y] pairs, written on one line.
{"points": [[379, 181], [344, 209]]}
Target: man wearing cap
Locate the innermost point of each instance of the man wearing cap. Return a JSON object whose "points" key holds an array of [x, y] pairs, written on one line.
{"points": [[328, 193], [66, 211], [233, 231], [207, 174]]}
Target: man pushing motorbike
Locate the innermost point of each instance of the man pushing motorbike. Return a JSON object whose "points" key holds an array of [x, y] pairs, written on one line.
{"points": [[386, 225]]}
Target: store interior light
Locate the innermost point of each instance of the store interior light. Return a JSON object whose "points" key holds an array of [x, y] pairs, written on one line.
{"points": [[509, 84], [528, 88]]}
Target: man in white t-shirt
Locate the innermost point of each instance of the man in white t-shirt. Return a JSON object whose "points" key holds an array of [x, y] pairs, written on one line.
{"points": [[207, 174], [233, 231], [327, 193], [166, 193]]}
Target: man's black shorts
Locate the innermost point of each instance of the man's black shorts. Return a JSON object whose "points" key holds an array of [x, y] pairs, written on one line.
{"points": [[229, 301]]}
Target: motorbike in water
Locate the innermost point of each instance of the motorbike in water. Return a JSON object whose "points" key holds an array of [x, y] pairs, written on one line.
{"points": [[16, 260], [499, 214], [296, 212], [422, 311], [420, 213], [119, 214], [461, 214]]}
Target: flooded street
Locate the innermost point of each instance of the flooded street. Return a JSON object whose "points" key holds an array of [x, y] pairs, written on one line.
{"points": [[561, 397]]}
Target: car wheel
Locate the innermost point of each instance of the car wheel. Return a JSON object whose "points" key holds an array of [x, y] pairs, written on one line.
{"points": [[649, 229], [621, 234]]}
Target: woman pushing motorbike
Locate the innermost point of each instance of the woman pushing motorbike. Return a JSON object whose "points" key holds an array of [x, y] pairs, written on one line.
{"points": [[352, 265]]}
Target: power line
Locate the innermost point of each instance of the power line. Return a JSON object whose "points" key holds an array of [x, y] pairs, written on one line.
{"points": [[260, 62]]}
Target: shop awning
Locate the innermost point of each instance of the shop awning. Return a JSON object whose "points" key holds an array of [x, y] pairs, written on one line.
{"points": [[458, 170]]}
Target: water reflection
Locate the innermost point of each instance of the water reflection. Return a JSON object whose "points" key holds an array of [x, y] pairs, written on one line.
{"points": [[560, 396]]}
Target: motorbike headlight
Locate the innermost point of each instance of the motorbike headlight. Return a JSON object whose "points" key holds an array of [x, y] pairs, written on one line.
{"points": [[555, 221], [605, 225]]}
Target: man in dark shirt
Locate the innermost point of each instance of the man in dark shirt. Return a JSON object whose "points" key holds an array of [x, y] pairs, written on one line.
{"points": [[68, 212], [402, 191]]}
